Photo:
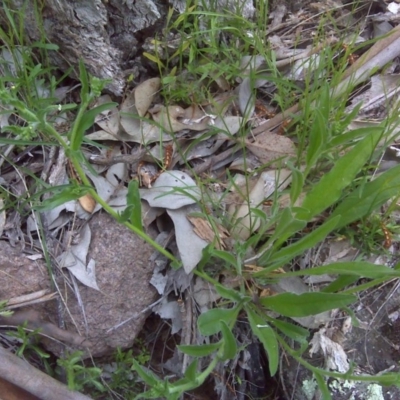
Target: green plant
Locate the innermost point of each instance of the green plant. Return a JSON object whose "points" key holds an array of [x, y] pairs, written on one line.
{"points": [[29, 344], [3, 309], [118, 376], [78, 375]]}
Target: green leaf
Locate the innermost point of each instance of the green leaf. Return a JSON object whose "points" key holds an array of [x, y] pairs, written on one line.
{"points": [[148, 377], [286, 227], [191, 371], [368, 197], [154, 59], [310, 240], [227, 293], [209, 322], [355, 134], [303, 305], [88, 118], [358, 268], [267, 337], [340, 283], [329, 189], [200, 350], [62, 195], [318, 129], [135, 205], [296, 185], [224, 255], [292, 331], [46, 46], [228, 349]]}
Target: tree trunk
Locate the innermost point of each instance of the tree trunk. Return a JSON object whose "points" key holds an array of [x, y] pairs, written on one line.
{"points": [[107, 35]]}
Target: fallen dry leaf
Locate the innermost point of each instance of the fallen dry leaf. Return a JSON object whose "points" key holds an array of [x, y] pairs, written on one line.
{"points": [[269, 147], [108, 120], [88, 203], [174, 119], [144, 95], [247, 221], [204, 230], [335, 356]]}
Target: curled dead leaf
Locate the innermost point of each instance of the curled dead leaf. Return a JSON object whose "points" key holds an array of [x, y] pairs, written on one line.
{"points": [[205, 231], [88, 203]]}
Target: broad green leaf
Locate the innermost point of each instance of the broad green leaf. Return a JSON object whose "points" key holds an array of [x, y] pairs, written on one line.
{"points": [[358, 268], [296, 185], [267, 337], [224, 255], [310, 240], [191, 370], [209, 322], [229, 348], [355, 134], [227, 293], [340, 283], [135, 205], [292, 331], [148, 376], [199, 350], [329, 189], [303, 305], [259, 214], [368, 197]]}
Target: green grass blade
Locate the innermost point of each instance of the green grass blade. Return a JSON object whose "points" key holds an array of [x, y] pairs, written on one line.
{"points": [[288, 253], [329, 189], [368, 197]]}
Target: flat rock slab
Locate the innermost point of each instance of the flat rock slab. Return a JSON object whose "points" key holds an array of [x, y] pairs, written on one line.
{"points": [[123, 271]]}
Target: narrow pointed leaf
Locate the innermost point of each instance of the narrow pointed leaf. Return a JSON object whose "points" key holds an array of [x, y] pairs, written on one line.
{"points": [[308, 241], [329, 189], [292, 331], [267, 337], [229, 348], [199, 350], [191, 371], [303, 305], [226, 293], [368, 197], [358, 268]]}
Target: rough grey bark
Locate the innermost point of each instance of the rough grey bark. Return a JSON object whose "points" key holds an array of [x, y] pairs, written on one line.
{"points": [[106, 35]]}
